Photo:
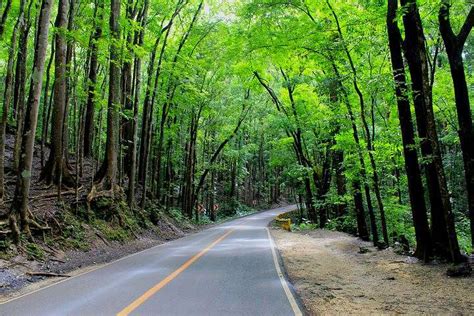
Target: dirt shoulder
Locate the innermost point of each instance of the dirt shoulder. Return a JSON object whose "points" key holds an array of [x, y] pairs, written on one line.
{"points": [[333, 277]]}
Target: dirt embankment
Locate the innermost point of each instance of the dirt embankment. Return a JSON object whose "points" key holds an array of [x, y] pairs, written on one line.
{"points": [[332, 276], [22, 273]]}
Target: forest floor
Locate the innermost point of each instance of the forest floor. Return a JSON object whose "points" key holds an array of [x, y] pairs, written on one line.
{"points": [[333, 276], [17, 273]]}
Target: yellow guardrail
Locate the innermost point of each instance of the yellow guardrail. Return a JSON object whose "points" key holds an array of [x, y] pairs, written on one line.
{"points": [[283, 222]]}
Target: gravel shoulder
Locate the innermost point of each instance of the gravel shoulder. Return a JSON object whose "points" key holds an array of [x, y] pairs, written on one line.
{"points": [[332, 277]]}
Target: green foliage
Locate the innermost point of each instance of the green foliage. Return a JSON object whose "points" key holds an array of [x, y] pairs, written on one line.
{"points": [[112, 231], [34, 251], [345, 224], [305, 225], [73, 232], [464, 236]]}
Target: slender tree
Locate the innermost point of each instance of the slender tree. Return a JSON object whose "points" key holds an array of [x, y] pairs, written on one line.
{"points": [[454, 48], [7, 98], [56, 170], [107, 174], [19, 211]]}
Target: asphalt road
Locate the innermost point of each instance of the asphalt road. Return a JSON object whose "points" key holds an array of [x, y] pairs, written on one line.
{"points": [[230, 269]]}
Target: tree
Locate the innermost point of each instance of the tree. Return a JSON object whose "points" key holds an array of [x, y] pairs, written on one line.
{"points": [[444, 232], [454, 48], [56, 169], [107, 174], [7, 98], [19, 211], [415, 184], [92, 80]]}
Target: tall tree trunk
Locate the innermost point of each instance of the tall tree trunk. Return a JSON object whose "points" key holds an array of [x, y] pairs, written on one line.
{"points": [[137, 89], [46, 104], [89, 124], [19, 208], [415, 184], [20, 83], [190, 167], [338, 165], [359, 210], [150, 94], [363, 173], [107, 174], [170, 96], [8, 96], [368, 138], [127, 79], [55, 170], [454, 48], [295, 134], [443, 229]]}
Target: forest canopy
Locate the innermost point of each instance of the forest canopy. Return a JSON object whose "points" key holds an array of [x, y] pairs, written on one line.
{"points": [[360, 110]]}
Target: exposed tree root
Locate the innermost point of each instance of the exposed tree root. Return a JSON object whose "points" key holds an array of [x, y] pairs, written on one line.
{"points": [[52, 173], [27, 221]]}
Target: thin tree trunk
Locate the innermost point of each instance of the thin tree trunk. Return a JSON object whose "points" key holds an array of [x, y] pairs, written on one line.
{"points": [[55, 170], [107, 174], [92, 81], [137, 87], [454, 48], [363, 173], [4, 17], [19, 208], [46, 104], [368, 138], [8, 96]]}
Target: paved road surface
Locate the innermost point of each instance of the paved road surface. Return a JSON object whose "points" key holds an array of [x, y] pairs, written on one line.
{"points": [[229, 269]]}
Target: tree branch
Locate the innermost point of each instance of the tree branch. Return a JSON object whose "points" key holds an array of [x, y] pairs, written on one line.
{"points": [[466, 28]]}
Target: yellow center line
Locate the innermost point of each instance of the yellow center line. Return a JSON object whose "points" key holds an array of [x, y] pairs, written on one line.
{"points": [[139, 301]]}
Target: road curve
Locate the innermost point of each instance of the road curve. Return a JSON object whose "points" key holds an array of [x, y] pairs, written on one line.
{"points": [[229, 269]]}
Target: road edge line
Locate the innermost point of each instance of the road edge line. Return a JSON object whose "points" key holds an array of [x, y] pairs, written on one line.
{"points": [[284, 283]]}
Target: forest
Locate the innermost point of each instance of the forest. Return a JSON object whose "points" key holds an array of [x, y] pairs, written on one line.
{"points": [[116, 111]]}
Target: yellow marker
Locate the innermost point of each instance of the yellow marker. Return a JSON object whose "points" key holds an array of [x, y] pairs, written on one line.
{"points": [[139, 301]]}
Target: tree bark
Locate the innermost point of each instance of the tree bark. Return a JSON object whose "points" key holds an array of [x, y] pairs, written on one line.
{"points": [[415, 184], [363, 173], [89, 125], [46, 104], [454, 48], [444, 236], [19, 208], [8, 96], [368, 138], [107, 174], [4, 17], [55, 170], [20, 86], [137, 89]]}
